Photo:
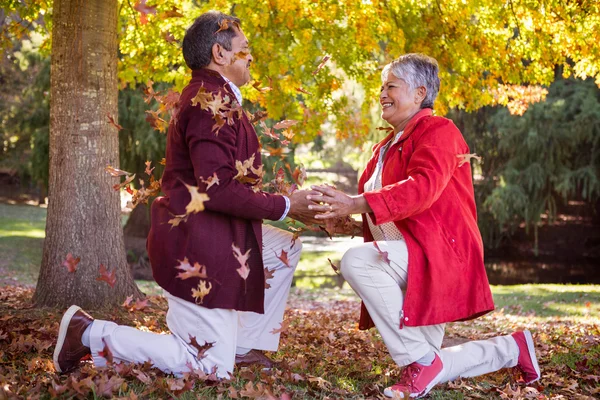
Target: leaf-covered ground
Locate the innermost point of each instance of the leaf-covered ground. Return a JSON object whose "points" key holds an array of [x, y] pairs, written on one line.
{"points": [[322, 355]]}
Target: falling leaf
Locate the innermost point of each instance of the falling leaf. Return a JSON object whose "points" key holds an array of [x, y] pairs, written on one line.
{"points": [[256, 85], [203, 289], [106, 353], [387, 129], [198, 271], [257, 116], [126, 182], [71, 262], [216, 103], [148, 170], [172, 13], [242, 259], [275, 151], [177, 219], [224, 25], [268, 131], [282, 328], [321, 65], [156, 121], [465, 158], [163, 161], [168, 36], [196, 203], [140, 305], [268, 275], [284, 258], [202, 349], [219, 123], [127, 301], [212, 180], [116, 171], [299, 174], [106, 276], [383, 254], [113, 123], [286, 123], [301, 90], [144, 10], [336, 269], [202, 97]]}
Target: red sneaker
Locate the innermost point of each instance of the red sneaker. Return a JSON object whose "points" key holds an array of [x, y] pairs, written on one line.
{"points": [[416, 380], [528, 364]]}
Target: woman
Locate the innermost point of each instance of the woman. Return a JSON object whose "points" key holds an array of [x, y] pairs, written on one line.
{"points": [[426, 266]]}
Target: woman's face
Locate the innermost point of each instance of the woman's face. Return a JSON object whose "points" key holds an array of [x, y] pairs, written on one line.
{"points": [[398, 101]]}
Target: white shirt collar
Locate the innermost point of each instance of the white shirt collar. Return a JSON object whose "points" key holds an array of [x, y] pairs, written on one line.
{"points": [[236, 91]]}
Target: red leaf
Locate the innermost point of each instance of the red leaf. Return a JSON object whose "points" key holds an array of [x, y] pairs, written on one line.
{"points": [[127, 301], [382, 254], [108, 277], [268, 275], [336, 269], [106, 353], [144, 10], [113, 123], [321, 65], [139, 305], [201, 349], [71, 263], [244, 269], [284, 258], [283, 327], [148, 170]]}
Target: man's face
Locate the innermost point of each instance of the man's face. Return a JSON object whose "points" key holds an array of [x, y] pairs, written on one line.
{"points": [[238, 69]]}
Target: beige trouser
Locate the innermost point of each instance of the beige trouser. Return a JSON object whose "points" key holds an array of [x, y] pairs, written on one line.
{"points": [[381, 287], [228, 329]]}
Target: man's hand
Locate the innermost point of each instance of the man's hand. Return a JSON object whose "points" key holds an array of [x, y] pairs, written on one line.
{"points": [[335, 203], [299, 210]]}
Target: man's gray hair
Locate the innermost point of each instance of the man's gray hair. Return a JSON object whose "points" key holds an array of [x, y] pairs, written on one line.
{"points": [[416, 70]]}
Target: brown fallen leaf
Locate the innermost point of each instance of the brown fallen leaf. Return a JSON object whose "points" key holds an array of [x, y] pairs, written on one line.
{"points": [[202, 349]]}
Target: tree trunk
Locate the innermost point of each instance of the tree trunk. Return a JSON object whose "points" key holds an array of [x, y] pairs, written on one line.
{"points": [[83, 209]]}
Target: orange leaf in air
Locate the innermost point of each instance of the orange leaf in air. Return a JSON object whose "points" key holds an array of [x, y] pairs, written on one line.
{"points": [[177, 219], [115, 171], [268, 275], [196, 203], [127, 301], [126, 182], [322, 64], [163, 161], [465, 158], [268, 131], [219, 123], [257, 116], [172, 13], [299, 174], [301, 90], [144, 10], [286, 123], [203, 289], [244, 269], [283, 327], [284, 258], [106, 276], [256, 85], [198, 271], [106, 353], [71, 262], [224, 25], [202, 97], [148, 170], [212, 180], [111, 121]]}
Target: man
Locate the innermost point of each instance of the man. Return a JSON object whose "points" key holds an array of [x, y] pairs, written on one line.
{"points": [[212, 263]]}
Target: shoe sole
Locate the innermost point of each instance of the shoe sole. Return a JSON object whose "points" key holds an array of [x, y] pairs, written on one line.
{"points": [[532, 356], [62, 334]]}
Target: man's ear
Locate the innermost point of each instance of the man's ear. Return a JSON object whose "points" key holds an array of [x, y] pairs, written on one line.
{"points": [[218, 54]]}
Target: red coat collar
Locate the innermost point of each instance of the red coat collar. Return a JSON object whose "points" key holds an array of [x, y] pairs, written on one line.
{"points": [[408, 130]]}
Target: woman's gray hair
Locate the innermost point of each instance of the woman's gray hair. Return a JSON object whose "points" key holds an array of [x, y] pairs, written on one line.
{"points": [[416, 70]]}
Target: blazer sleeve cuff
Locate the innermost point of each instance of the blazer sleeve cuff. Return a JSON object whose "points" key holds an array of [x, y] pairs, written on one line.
{"points": [[381, 213], [280, 208]]}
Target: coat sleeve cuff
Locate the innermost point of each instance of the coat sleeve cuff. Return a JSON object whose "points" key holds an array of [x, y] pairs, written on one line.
{"points": [[381, 213], [280, 209]]}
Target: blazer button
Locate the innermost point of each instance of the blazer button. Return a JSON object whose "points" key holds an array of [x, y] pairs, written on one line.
{"points": [[406, 318]]}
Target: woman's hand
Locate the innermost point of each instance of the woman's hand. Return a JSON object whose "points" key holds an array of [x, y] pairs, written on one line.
{"points": [[335, 203]]}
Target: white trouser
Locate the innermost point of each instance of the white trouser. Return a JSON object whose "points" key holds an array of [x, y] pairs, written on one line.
{"points": [[228, 329], [381, 287]]}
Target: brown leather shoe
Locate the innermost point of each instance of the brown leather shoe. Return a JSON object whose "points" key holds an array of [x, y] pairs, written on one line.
{"points": [[254, 357], [69, 350]]}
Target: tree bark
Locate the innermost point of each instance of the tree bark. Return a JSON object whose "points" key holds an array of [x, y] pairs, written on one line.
{"points": [[83, 209]]}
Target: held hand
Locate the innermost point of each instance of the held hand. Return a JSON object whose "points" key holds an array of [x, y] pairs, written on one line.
{"points": [[299, 207], [335, 203]]}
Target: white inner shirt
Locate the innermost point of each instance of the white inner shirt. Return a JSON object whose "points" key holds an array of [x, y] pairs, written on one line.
{"points": [[388, 230]]}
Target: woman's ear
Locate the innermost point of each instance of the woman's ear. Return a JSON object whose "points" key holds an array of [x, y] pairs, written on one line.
{"points": [[420, 94]]}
